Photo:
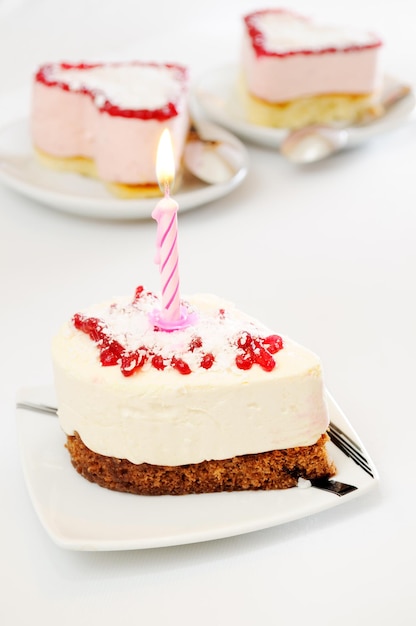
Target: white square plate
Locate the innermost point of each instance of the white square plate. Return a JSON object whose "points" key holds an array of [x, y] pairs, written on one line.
{"points": [[79, 515]]}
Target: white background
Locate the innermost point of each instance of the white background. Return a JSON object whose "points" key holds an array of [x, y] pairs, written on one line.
{"points": [[324, 254]]}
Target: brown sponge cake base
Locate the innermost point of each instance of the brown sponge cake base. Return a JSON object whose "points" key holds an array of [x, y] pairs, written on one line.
{"points": [[278, 469]]}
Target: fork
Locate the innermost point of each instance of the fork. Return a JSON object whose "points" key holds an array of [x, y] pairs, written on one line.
{"points": [[340, 439], [39, 408], [349, 447]]}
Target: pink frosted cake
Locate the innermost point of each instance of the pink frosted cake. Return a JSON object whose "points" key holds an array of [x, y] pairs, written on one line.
{"points": [[224, 404], [297, 72], [105, 120]]}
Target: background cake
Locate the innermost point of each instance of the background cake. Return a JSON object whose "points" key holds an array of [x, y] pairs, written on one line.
{"points": [[221, 405], [105, 120], [297, 72]]}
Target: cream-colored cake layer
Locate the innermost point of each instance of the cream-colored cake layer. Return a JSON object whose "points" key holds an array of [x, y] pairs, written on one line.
{"points": [[166, 418]]}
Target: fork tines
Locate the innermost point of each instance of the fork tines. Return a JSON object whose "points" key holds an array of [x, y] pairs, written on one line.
{"points": [[349, 447]]}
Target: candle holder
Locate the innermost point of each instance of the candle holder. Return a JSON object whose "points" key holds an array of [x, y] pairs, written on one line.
{"points": [[186, 318]]}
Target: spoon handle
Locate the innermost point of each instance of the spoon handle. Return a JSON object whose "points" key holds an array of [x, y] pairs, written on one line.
{"points": [[397, 109]]}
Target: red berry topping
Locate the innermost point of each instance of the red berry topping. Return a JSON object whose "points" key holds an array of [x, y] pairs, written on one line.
{"points": [[273, 343], [195, 343], [77, 321], [257, 350], [244, 341], [180, 366], [92, 326], [207, 361], [158, 362], [115, 347], [244, 361], [110, 351], [132, 361], [108, 357], [264, 359], [138, 293]]}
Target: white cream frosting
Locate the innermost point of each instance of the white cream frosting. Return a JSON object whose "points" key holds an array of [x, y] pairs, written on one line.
{"points": [[285, 32], [128, 86], [166, 418]]}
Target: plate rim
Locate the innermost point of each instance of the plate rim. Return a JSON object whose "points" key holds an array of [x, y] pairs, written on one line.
{"points": [[49, 425], [261, 135], [110, 207]]}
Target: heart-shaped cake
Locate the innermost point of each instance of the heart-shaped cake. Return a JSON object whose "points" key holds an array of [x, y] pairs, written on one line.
{"points": [[298, 72], [105, 119]]}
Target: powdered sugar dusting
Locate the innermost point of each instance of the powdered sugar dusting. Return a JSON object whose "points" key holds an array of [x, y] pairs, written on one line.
{"points": [[218, 336]]}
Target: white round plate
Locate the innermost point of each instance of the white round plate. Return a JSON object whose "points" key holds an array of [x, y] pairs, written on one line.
{"points": [[217, 95], [80, 195], [79, 515]]}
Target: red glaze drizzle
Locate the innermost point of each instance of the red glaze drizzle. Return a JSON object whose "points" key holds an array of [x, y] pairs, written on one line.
{"points": [[257, 38], [250, 349], [44, 76]]}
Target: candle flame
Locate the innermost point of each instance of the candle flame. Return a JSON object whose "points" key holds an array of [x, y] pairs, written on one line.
{"points": [[165, 164]]}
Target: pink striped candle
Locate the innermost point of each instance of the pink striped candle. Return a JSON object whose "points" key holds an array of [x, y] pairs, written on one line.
{"points": [[165, 214], [172, 315]]}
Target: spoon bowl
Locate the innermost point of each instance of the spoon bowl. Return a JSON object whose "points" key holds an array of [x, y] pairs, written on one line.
{"points": [[210, 158], [314, 143]]}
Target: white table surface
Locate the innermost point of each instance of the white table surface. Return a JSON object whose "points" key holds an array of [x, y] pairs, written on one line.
{"points": [[324, 254]]}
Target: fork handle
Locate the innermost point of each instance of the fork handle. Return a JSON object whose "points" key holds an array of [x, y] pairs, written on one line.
{"points": [[333, 486]]}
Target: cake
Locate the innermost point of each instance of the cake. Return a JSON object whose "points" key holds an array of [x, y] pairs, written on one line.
{"points": [[105, 120], [223, 404], [297, 72]]}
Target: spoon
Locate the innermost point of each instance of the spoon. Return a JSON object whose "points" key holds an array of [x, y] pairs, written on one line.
{"points": [[314, 143], [211, 160]]}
